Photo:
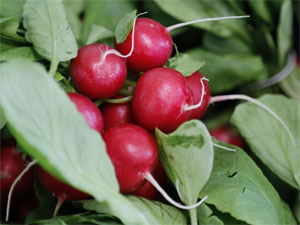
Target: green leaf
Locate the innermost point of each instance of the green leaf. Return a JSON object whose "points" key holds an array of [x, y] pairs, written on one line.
{"points": [[12, 8], [288, 216], [63, 82], [155, 212], [98, 33], [19, 52], [228, 71], [206, 217], [185, 64], [268, 139], [237, 186], [52, 131], [291, 84], [124, 27], [48, 30], [8, 29], [2, 119], [104, 13], [284, 31], [187, 156], [297, 207], [260, 8]]}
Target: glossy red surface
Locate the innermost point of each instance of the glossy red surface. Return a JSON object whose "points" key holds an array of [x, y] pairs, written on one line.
{"points": [[225, 134]]}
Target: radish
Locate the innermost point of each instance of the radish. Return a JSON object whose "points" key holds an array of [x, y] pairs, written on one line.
{"points": [[225, 134], [96, 74], [152, 43], [160, 98], [116, 114], [59, 189], [89, 110], [148, 190]]}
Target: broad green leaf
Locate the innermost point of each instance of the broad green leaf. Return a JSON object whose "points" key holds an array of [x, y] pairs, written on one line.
{"points": [[52, 131], [124, 27], [155, 212], [291, 84], [288, 216], [63, 82], [98, 33], [19, 52], [2, 119], [187, 156], [104, 13], [8, 29], [228, 71], [48, 30], [206, 217], [237, 186], [185, 64], [12, 8], [285, 31], [268, 139], [188, 10], [260, 8]]}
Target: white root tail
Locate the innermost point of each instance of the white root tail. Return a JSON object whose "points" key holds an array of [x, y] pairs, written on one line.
{"points": [[173, 27], [223, 147], [115, 52], [247, 98], [32, 163], [151, 179], [191, 107]]}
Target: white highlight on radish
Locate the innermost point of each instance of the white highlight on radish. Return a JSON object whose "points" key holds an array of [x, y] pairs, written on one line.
{"points": [[191, 107], [115, 52], [32, 163], [151, 179], [247, 98], [223, 147], [170, 28]]}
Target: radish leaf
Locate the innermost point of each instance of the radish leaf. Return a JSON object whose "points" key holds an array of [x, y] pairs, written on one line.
{"points": [[99, 33], [124, 27], [8, 29]]}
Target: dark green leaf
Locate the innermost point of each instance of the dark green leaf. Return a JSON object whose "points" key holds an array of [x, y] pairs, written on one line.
{"points": [[237, 186], [48, 30], [185, 64], [19, 52], [268, 139], [98, 33], [187, 155], [291, 84], [228, 71], [124, 27], [206, 217], [260, 8], [104, 13], [12, 8], [52, 131], [297, 207], [8, 29], [285, 31], [63, 82]]}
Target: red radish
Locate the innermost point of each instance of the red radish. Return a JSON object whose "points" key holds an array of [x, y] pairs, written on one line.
{"points": [[195, 83], [24, 207], [225, 134], [133, 152], [160, 98], [116, 114], [148, 190], [152, 43], [89, 110], [95, 75]]}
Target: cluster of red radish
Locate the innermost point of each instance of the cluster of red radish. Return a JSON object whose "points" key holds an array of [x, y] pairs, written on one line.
{"points": [[163, 98]]}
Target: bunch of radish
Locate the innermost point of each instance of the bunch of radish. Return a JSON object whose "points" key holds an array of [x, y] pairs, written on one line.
{"points": [[162, 98]]}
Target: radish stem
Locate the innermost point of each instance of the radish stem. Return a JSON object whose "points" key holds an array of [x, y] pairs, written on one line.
{"points": [[191, 107], [223, 147], [61, 200], [118, 100]]}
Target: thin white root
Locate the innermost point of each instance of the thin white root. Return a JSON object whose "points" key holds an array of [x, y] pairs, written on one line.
{"points": [[150, 178], [191, 107], [170, 28], [223, 147], [115, 52], [247, 98], [32, 163]]}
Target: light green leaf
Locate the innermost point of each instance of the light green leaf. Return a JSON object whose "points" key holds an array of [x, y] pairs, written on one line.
{"points": [[2, 119], [228, 71], [63, 82], [12, 8], [185, 64], [237, 186], [124, 27], [48, 30], [52, 131], [19, 52], [268, 139], [98, 33], [288, 216], [206, 217], [8, 29], [285, 31], [291, 84], [187, 156]]}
